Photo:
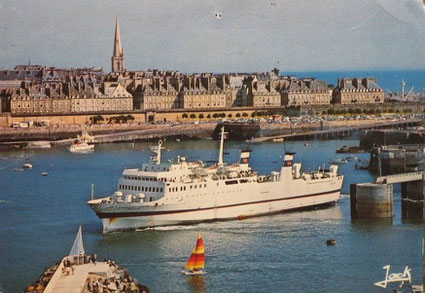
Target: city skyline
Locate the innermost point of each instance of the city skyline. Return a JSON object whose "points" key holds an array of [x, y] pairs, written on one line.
{"points": [[216, 36]]}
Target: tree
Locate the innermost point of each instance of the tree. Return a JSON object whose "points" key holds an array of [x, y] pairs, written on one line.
{"points": [[201, 116], [96, 119], [192, 116], [215, 115], [185, 115], [130, 117], [209, 116], [238, 115], [223, 115], [229, 115], [331, 111], [358, 111], [253, 114], [245, 114]]}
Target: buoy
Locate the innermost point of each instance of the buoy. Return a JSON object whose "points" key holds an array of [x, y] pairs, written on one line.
{"points": [[44, 174], [331, 241]]}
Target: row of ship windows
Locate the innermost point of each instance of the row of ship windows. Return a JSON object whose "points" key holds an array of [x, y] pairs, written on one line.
{"points": [[197, 195], [141, 188], [183, 188], [148, 178]]}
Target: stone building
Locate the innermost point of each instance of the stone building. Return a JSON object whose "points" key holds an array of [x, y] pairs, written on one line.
{"points": [[261, 93], [236, 90], [160, 94], [202, 92], [305, 91], [358, 91]]}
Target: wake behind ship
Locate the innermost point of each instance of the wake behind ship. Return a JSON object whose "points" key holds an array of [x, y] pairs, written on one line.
{"points": [[182, 192]]}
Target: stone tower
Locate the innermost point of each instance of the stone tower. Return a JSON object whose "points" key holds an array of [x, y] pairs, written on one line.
{"points": [[118, 57]]}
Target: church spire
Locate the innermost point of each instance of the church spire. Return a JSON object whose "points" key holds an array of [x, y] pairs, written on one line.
{"points": [[118, 52], [118, 56]]}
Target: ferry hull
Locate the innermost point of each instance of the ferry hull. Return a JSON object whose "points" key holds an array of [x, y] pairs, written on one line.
{"points": [[160, 216]]}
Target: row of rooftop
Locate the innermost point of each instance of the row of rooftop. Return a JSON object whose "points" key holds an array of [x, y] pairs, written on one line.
{"points": [[40, 89]]}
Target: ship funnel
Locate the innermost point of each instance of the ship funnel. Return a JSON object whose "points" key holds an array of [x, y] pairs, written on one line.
{"points": [[244, 159], [286, 170], [333, 169], [288, 161]]}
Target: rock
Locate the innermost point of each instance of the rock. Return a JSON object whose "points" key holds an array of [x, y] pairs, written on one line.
{"points": [[112, 286]]}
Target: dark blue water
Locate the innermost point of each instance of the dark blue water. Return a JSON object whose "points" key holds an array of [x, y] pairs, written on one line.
{"points": [[39, 217], [388, 80]]}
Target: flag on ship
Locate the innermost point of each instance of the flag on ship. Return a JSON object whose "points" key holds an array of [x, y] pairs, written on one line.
{"points": [[197, 258]]}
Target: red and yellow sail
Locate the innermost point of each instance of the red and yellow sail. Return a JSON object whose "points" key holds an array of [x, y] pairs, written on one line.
{"points": [[197, 258]]}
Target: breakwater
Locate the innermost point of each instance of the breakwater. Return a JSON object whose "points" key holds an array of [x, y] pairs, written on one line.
{"points": [[341, 131]]}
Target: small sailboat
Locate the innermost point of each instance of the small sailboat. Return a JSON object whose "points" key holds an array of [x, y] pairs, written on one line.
{"points": [[196, 263]]}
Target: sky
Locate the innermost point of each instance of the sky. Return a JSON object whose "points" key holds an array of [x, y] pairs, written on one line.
{"points": [[186, 35]]}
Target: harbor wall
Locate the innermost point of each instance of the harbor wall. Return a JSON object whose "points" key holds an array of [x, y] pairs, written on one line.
{"points": [[387, 107], [388, 160], [177, 115], [387, 137]]}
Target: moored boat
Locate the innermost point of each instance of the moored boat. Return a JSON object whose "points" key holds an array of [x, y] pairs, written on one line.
{"points": [[82, 146]]}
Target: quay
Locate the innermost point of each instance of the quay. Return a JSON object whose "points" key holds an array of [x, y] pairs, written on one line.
{"points": [[341, 131]]}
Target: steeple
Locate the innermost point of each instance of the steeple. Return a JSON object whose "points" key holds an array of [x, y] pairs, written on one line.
{"points": [[118, 56]]}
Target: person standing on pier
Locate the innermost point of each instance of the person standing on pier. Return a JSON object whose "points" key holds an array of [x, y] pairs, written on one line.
{"points": [[93, 258]]}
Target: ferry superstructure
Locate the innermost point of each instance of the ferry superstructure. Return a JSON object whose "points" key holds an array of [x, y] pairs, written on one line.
{"points": [[182, 192]]}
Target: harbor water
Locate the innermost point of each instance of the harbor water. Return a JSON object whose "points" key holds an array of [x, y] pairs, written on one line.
{"points": [[287, 252]]}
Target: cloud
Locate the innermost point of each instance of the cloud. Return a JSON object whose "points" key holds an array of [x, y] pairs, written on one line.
{"points": [[409, 11]]}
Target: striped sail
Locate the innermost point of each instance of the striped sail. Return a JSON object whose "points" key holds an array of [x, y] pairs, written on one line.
{"points": [[197, 258]]}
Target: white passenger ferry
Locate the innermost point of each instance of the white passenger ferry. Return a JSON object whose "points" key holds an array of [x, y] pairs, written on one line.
{"points": [[182, 192]]}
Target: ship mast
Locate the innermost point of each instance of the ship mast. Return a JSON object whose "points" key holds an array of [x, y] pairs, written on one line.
{"points": [[157, 151], [220, 155]]}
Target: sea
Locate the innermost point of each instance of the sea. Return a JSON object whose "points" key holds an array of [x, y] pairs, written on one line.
{"points": [[388, 80], [286, 252]]}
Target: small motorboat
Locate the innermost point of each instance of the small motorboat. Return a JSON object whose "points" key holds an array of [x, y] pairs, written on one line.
{"points": [[82, 146], [331, 242], [44, 174], [27, 166], [196, 263]]}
